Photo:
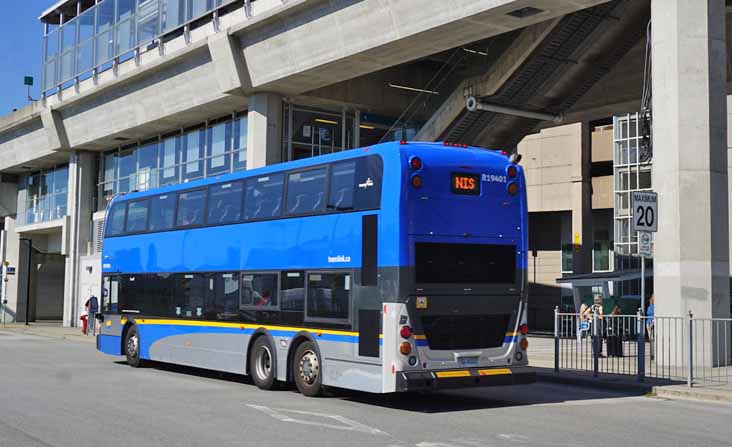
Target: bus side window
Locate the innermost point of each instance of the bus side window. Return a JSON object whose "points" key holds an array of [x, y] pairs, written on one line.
{"points": [[305, 191], [110, 294], [116, 220], [258, 290], [368, 183], [329, 296], [224, 203], [263, 198], [191, 206], [162, 212], [137, 213], [342, 184]]}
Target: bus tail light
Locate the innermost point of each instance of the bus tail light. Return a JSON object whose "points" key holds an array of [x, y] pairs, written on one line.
{"points": [[405, 331], [524, 328], [405, 348], [512, 188], [416, 181], [511, 171], [415, 163], [524, 344]]}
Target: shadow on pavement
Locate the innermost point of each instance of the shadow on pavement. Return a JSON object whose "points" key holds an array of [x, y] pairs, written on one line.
{"points": [[432, 402]]}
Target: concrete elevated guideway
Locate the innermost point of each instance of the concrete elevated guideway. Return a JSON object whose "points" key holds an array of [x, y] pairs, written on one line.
{"points": [[287, 48]]}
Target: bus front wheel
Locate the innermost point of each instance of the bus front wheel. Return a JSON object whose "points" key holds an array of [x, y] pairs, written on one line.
{"points": [[262, 364], [132, 347], [307, 370]]}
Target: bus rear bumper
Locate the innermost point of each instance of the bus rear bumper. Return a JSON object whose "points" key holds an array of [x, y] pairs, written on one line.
{"points": [[464, 378]]}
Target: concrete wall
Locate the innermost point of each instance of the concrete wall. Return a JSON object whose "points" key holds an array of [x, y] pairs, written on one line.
{"points": [[547, 159]]}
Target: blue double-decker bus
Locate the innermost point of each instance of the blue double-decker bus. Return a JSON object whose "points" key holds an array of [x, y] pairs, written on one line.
{"points": [[396, 267]]}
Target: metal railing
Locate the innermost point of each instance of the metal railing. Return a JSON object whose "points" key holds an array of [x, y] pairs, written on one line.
{"points": [[688, 349]]}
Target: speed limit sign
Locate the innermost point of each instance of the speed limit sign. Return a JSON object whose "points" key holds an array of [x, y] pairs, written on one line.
{"points": [[645, 211]]}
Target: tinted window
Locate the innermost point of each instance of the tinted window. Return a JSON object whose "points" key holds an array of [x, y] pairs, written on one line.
{"points": [[367, 187], [116, 219], [224, 203], [136, 216], [305, 191], [191, 205], [342, 181], [259, 289], [222, 297], [328, 295], [263, 197], [355, 184], [293, 291], [465, 263], [191, 291], [162, 212]]}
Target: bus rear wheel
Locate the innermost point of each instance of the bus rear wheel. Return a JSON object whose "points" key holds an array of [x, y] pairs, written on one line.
{"points": [[307, 370], [132, 347], [262, 364]]}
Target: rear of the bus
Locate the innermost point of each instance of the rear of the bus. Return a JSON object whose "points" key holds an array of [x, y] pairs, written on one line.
{"points": [[460, 317]]}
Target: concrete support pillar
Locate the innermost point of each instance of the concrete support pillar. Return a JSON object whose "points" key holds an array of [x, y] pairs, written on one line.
{"points": [[691, 260], [581, 190], [11, 253], [264, 137], [82, 179]]}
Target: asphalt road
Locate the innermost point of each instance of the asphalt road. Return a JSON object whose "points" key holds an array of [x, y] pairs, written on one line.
{"points": [[65, 393]]}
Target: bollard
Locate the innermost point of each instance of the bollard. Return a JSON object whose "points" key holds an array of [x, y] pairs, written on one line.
{"points": [[690, 378], [556, 339], [641, 345], [596, 340]]}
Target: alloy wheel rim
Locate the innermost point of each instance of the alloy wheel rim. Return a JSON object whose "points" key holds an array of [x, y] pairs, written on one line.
{"points": [[309, 367]]}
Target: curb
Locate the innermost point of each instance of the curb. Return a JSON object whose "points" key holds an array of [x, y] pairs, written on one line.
{"points": [[42, 333], [596, 383], [683, 392]]}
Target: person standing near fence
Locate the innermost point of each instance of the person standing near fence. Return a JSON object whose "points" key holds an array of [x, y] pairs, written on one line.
{"points": [[598, 316], [650, 324]]}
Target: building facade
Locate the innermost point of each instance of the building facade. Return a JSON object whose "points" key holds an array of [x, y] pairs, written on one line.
{"points": [[138, 94]]}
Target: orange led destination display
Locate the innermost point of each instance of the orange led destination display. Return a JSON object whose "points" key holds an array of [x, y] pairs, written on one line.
{"points": [[465, 183]]}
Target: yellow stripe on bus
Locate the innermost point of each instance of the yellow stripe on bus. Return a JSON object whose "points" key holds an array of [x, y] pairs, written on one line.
{"points": [[241, 326], [445, 374], [420, 337], [511, 334], [494, 372]]}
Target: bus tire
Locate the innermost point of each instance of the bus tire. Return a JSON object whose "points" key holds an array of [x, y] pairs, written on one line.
{"points": [[307, 370], [132, 347], [263, 364]]}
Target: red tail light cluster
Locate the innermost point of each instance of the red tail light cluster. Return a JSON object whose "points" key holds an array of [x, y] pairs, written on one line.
{"points": [[405, 348], [524, 328], [415, 163], [405, 331], [511, 171]]}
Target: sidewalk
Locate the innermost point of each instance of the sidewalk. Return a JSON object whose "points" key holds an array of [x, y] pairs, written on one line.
{"points": [[541, 357], [51, 330]]}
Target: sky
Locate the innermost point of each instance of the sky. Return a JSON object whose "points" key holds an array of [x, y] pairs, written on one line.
{"points": [[21, 40]]}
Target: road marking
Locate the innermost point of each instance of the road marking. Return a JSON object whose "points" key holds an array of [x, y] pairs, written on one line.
{"points": [[283, 415]]}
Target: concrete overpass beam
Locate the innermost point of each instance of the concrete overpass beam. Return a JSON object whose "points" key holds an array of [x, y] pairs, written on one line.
{"points": [[489, 83], [53, 124], [264, 130], [691, 263], [229, 63]]}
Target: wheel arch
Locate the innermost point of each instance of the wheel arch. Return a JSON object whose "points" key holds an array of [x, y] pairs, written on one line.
{"points": [[128, 324]]}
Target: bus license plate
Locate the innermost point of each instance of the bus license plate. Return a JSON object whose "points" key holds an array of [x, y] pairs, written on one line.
{"points": [[468, 361]]}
